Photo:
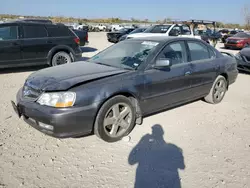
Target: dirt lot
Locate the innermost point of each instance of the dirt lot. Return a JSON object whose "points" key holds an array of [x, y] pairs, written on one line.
{"points": [[197, 145]]}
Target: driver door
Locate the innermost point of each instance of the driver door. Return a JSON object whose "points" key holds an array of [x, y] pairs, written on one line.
{"points": [[171, 85]]}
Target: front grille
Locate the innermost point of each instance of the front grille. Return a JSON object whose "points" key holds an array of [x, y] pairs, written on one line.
{"points": [[30, 92]]}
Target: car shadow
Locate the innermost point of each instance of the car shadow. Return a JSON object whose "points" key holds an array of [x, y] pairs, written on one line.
{"points": [[88, 49], [158, 161], [22, 69]]}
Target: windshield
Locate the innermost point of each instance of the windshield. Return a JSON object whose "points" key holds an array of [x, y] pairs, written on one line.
{"points": [[126, 54], [233, 32], [157, 29], [242, 35]]}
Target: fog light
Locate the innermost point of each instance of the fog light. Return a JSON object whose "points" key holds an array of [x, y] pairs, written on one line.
{"points": [[45, 126]]}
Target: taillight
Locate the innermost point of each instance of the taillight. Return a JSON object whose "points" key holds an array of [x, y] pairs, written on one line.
{"points": [[77, 40], [87, 37]]}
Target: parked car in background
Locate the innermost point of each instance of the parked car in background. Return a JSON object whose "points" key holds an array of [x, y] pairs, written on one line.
{"points": [[238, 41], [116, 27], [223, 32], [115, 35], [83, 27], [210, 35], [181, 30], [115, 89], [230, 34], [100, 27], [82, 35], [137, 30], [30, 43], [243, 58]]}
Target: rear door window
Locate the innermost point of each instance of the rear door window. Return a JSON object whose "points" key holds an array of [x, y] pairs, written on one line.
{"points": [[175, 52], [34, 31], [59, 31], [8, 32], [198, 51]]}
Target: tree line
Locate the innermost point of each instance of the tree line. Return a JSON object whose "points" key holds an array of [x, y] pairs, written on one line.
{"points": [[62, 19]]}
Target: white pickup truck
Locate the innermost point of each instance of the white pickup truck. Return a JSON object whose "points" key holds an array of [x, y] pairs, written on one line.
{"points": [[180, 30]]}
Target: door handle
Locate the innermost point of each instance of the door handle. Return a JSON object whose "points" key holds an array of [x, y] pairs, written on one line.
{"points": [[187, 73], [49, 42]]}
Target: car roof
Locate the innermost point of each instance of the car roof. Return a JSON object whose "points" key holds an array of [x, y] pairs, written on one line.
{"points": [[30, 23]]}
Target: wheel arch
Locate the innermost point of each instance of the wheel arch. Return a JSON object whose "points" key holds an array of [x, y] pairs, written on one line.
{"points": [[225, 75], [134, 99], [61, 48]]}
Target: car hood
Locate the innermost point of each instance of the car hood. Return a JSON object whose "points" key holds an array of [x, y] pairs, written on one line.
{"points": [[64, 77]]}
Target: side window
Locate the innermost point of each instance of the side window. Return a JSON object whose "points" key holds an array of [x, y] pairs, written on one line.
{"points": [[8, 33], [174, 30], [31, 31], [198, 51], [212, 53], [59, 31], [175, 52], [186, 30]]}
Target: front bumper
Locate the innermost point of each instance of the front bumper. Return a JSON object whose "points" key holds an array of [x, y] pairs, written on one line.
{"points": [[243, 66], [234, 46], [66, 122]]}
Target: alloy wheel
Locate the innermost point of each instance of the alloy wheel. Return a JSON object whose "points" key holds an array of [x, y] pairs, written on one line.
{"points": [[219, 90], [117, 120]]}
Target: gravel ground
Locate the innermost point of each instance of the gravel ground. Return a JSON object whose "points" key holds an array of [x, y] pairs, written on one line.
{"points": [[196, 145]]}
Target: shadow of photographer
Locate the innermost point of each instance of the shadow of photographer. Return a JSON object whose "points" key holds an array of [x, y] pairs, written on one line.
{"points": [[158, 161]]}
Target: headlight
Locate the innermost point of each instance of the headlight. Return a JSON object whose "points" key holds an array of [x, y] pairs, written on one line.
{"points": [[57, 99]]}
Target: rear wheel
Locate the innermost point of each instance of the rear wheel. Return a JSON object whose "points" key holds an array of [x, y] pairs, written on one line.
{"points": [[218, 90], [115, 119], [60, 58]]}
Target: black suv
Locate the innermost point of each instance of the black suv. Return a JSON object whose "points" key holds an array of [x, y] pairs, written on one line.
{"points": [[25, 43]]}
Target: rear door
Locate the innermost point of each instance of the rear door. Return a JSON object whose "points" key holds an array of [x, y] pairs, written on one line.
{"points": [[204, 66], [34, 44], [10, 54], [166, 87]]}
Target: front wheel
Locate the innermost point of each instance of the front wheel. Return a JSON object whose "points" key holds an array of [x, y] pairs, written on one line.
{"points": [[218, 90], [115, 119]]}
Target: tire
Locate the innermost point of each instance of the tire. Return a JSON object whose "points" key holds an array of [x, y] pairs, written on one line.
{"points": [[213, 97], [114, 132], [60, 58]]}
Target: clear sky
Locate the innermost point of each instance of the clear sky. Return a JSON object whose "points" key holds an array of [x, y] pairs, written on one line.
{"points": [[229, 11]]}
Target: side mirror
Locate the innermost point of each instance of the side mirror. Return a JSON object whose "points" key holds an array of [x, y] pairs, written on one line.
{"points": [[162, 63]]}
